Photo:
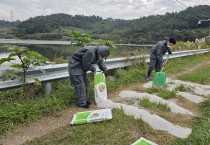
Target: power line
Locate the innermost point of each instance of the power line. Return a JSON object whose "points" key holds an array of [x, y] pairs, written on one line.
{"points": [[182, 4], [191, 9]]}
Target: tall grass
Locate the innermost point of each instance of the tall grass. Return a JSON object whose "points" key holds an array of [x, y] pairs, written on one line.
{"points": [[25, 110], [125, 77]]}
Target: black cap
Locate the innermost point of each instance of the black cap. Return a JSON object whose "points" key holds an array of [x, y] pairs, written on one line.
{"points": [[172, 40]]}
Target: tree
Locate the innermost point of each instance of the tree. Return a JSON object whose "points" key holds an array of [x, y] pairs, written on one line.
{"points": [[27, 59], [79, 39]]}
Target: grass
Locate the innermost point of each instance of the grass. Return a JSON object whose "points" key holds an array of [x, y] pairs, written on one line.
{"points": [[24, 110], [161, 106], [200, 76], [162, 92], [15, 109], [179, 64], [125, 77], [121, 130], [182, 88], [152, 90], [166, 94], [200, 128]]}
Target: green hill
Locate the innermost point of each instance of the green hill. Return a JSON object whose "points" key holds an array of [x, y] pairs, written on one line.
{"points": [[183, 25]]}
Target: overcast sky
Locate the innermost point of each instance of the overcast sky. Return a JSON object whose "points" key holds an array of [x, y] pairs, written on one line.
{"points": [[117, 9]]}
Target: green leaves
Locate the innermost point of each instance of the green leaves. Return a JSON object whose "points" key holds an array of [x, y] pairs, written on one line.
{"points": [[8, 74], [6, 60], [35, 58], [16, 66], [27, 58], [79, 39], [109, 43]]}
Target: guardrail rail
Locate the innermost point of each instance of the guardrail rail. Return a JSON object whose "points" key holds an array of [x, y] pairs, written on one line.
{"points": [[59, 71]]}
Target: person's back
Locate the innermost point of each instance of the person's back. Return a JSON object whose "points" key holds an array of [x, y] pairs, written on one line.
{"points": [[75, 62], [81, 62], [160, 47]]}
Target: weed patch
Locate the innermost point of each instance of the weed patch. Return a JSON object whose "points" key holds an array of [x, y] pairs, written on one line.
{"points": [[162, 92], [152, 90], [166, 94], [146, 103], [182, 88], [125, 77], [31, 109]]}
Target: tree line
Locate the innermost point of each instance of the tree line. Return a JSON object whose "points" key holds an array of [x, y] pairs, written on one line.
{"points": [[183, 26]]}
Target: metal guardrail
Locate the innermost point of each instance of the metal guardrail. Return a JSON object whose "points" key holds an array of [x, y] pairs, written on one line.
{"points": [[59, 71]]}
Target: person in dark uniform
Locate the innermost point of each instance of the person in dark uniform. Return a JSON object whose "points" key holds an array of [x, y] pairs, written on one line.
{"points": [[79, 64], [156, 55]]}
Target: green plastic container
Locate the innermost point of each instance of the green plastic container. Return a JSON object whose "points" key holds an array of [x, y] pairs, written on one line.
{"points": [[159, 79]]}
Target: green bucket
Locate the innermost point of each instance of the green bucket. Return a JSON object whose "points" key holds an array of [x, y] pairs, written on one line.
{"points": [[159, 79]]}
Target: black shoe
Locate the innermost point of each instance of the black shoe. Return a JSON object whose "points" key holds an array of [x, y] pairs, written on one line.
{"points": [[148, 78], [88, 103], [84, 106]]}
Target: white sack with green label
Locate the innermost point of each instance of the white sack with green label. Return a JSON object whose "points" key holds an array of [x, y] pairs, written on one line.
{"points": [[143, 141], [100, 88], [92, 116]]}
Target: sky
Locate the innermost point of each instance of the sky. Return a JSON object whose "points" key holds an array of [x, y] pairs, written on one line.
{"points": [[12, 10]]}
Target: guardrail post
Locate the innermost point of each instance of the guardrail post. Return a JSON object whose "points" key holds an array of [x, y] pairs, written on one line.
{"points": [[47, 87]]}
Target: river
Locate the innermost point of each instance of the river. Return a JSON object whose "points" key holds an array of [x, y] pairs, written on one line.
{"points": [[64, 51]]}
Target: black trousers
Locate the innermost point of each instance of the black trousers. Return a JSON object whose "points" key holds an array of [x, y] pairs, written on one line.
{"points": [[154, 64], [81, 88]]}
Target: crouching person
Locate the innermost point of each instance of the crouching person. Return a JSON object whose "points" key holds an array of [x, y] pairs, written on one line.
{"points": [[79, 64]]}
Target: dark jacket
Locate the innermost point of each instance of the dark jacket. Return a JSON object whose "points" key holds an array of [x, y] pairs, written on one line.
{"points": [[159, 50], [82, 60]]}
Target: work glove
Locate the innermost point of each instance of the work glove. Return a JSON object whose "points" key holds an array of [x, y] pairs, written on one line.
{"points": [[169, 52], [93, 70], [105, 71]]}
